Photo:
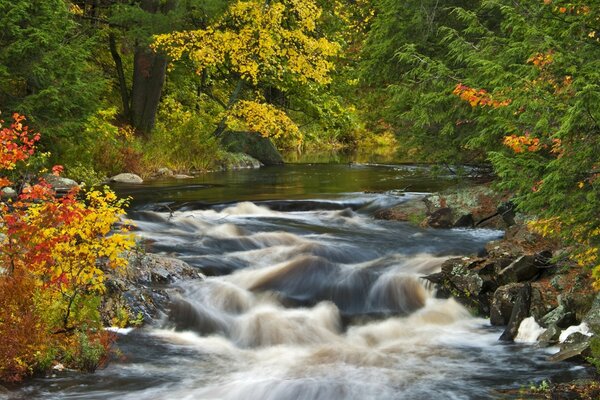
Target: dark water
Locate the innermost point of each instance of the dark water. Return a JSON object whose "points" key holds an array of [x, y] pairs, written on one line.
{"points": [[307, 297]]}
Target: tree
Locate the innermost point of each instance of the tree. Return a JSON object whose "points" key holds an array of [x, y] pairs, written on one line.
{"points": [[44, 68], [257, 44]]}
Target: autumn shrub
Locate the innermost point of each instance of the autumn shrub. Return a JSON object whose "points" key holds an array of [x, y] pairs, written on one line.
{"points": [[54, 253]]}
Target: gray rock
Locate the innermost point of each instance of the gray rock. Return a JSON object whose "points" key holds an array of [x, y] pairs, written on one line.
{"points": [[578, 350], [550, 336], [411, 210], [254, 144], [522, 269], [503, 302], [8, 193], [164, 172], [442, 218], [592, 318], [560, 316], [141, 288], [59, 183], [127, 178], [237, 161], [519, 312], [182, 176]]}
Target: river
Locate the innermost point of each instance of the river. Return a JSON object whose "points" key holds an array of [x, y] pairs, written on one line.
{"points": [[307, 297]]}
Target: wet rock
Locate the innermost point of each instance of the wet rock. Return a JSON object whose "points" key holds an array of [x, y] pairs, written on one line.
{"points": [[550, 336], [127, 178], [442, 218], [412, 210], [182, 176], [465, 221], [522, 269], [140, 290], [503, 302], [579, 350], [519, 312], [470, 280]]}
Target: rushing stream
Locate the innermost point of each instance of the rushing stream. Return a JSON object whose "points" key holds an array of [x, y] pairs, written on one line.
{"points": [[307, 297]]}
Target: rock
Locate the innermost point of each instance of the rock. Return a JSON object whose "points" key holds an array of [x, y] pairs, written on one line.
{"points": [[550, 336], [592, 318], [503, 302], [470, 280], [520, 311], [474, 206], [140, 290], [59, 183], [442, 218], [127, 178], [182, 176], [8, 193], [574, 331], [560, 317], [522, 269], [254, 144], [580, 350], [164, 172], [236, 161], [411, 210]]}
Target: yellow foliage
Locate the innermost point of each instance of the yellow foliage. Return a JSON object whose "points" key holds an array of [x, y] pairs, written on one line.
{"points": [[265, 119], [585, 252], [257, 40]]}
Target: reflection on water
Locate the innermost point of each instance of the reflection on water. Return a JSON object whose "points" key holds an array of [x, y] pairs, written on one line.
{"points": [[308, 298]]}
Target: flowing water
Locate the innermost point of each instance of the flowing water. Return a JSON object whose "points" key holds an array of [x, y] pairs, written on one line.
{"points": [[307, 297]]}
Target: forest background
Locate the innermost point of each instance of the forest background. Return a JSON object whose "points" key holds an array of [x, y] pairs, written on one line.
{"points": [[130, 86]]}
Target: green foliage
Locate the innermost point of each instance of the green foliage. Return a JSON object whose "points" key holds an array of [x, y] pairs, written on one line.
{"points": [[45, 70], [183, 140]]}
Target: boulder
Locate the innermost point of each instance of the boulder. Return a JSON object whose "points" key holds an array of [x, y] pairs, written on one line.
{"points": [[253, 144], [182, 176], [237, 161], [60, 184], [470, 280], [468, 207], [127, 178], [560, 316], [519, 312], [592, 318], [411, 210], [503, 302], [522, 269], [140, 290], [550, 336], [8, 193], [578, 348], [164, 172]]}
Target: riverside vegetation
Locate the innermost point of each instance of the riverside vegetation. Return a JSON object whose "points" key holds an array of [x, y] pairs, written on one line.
{"points": [[122, 86]]}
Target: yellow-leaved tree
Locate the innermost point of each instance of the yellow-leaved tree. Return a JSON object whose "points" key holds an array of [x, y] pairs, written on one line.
{"points": [[258, 44]]}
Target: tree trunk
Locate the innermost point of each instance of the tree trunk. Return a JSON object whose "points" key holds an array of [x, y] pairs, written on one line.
{"points": [[149, 72], [120, 73]]}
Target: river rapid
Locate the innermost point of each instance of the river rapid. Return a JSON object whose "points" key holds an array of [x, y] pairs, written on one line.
{"points": [[307, 297]]}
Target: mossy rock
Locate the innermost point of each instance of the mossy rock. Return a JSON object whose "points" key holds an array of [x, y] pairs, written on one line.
{"points": [[253, 144]]}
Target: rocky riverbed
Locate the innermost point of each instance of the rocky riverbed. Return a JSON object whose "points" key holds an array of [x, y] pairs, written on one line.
{"points": [[522, 282]]}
